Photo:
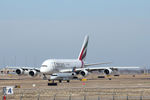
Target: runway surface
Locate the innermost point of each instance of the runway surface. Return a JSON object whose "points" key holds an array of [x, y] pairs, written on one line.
{"points": [[119, 86]]}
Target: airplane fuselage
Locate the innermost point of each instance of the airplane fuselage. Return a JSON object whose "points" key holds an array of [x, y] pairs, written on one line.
{"points": [[51, 66]]}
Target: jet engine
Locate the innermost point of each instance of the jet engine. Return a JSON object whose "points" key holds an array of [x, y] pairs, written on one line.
{"points": [[33, 73], [19, 71], [107, 71], [84, 73]]}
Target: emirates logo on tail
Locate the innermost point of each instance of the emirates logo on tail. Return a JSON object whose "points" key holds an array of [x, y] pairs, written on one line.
{"points": [[83, 51]]}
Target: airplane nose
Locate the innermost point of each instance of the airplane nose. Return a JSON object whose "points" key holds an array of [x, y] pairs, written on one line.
{"points": [[42, 70]]}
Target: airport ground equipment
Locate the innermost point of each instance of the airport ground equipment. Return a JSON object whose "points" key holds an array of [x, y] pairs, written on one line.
{"points": [[51, 83], [117, 75], [63, 76], [84, 79], [101, 76]]}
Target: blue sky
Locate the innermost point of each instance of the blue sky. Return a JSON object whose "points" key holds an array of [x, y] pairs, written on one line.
{"points": [[69, 9], [34, 30]]}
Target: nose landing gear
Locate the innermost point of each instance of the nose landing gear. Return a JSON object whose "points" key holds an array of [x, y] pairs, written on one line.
{"points": [[44, 77]]}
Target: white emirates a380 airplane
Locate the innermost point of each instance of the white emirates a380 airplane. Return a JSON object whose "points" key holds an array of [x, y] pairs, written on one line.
{"points": [[67, 69]]}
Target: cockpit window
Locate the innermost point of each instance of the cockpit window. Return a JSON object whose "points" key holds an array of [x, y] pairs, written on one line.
{"points": [[44, 65]]}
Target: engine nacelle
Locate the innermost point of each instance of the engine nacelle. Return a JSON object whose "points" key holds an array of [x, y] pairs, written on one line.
{"points": [[84, 73], [33, 73], [107, 71], [20, 71]]}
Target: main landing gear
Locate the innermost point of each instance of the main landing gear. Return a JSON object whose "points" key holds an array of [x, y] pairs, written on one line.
{"points": [[60, 81], [68, 81]]}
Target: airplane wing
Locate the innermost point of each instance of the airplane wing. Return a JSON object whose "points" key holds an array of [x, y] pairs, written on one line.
{"points": [[21, 67], [86, 66], [93, 64], [32, 71], [111, 67], [90, 69]]}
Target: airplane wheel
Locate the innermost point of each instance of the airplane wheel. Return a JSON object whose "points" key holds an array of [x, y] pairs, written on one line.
{"points": [[60, 81], [68, 81]]}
